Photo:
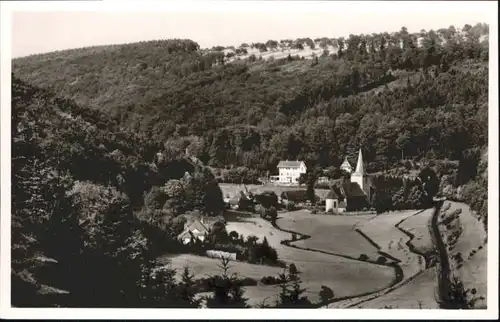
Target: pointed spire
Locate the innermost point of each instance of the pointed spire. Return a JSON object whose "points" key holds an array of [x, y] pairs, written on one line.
{"points": [[359, 167]]}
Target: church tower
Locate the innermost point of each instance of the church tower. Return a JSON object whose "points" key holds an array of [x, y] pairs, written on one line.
{"points": [[359, 176]]}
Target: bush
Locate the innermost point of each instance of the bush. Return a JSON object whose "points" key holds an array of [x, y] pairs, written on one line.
{"points": [[381, 260], [271, 280], [247, 281], [314, 211], [363, 257]]}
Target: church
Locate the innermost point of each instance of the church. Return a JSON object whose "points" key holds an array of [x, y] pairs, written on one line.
{"points": [[352, 195]]}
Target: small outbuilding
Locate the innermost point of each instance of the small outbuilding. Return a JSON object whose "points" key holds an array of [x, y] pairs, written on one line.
{"points": [[332, 201]]}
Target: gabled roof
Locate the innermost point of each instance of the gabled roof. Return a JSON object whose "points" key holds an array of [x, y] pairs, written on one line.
{"points": [[352, 189], [290, 164], [203, 226], [331, 195], [196, 224]]}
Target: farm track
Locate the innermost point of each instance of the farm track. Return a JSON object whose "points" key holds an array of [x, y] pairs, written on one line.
{"points": [[398, 272], [444, 264]]}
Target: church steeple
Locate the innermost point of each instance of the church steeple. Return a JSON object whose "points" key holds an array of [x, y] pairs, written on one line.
{"points": [[359, 166]]}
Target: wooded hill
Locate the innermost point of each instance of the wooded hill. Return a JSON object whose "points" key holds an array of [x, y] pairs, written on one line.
{"points": [[88, 161], [394, 95]]}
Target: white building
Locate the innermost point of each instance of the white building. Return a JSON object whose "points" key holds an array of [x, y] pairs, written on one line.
{"points": [[346, 166], [289, 172]]}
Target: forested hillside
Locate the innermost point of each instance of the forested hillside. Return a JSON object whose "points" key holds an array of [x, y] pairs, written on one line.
{"points": [[127, 119], [395, 95], [83, 233]]}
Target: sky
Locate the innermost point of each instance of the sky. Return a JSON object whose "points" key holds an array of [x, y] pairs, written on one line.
{"points": [[227, 23]]}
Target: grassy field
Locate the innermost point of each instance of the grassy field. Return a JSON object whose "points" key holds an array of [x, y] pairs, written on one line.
{"points": [[418, 226], [418, 293], [471, 245], [346, 277], [202, 266], [383, 231], [329, 233], [317, 269]]}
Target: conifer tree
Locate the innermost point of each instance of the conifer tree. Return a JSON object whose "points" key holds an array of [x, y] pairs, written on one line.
{"points": [[227, 290]]}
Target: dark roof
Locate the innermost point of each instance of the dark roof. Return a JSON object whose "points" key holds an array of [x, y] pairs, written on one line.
{"points": [[352, 189], [289, 164], [295, 195], [331, 195], [195, 224]]}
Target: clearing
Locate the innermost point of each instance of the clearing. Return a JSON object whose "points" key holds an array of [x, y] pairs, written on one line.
{"points": [[317, 269], [382, 230], [418, 226], [418, 293], [329, 233]]}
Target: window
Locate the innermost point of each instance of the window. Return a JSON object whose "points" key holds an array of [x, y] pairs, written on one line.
{"points": [[335, 204]]}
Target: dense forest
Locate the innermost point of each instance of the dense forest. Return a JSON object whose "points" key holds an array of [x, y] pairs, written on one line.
{"points": [[127, 119], [426, 92]]}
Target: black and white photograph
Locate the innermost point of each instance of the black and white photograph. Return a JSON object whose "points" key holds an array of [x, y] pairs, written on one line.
{"points": [[258, 156]]}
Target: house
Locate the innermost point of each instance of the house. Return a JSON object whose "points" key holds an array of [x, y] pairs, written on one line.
{"points": [[289, 172], [195, 229], [346, 166]]}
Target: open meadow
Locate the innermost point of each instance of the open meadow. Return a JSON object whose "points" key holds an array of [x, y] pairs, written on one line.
{"points": [[382, 230], [418, 293], [319, 269], [334, 234], [418, 226], [417, 289]]}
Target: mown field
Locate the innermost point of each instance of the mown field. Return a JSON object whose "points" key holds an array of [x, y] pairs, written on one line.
{"points": [[417, 290], [383, 231], [344, 276], [333, 234], [418, 225], [419, 293]]}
